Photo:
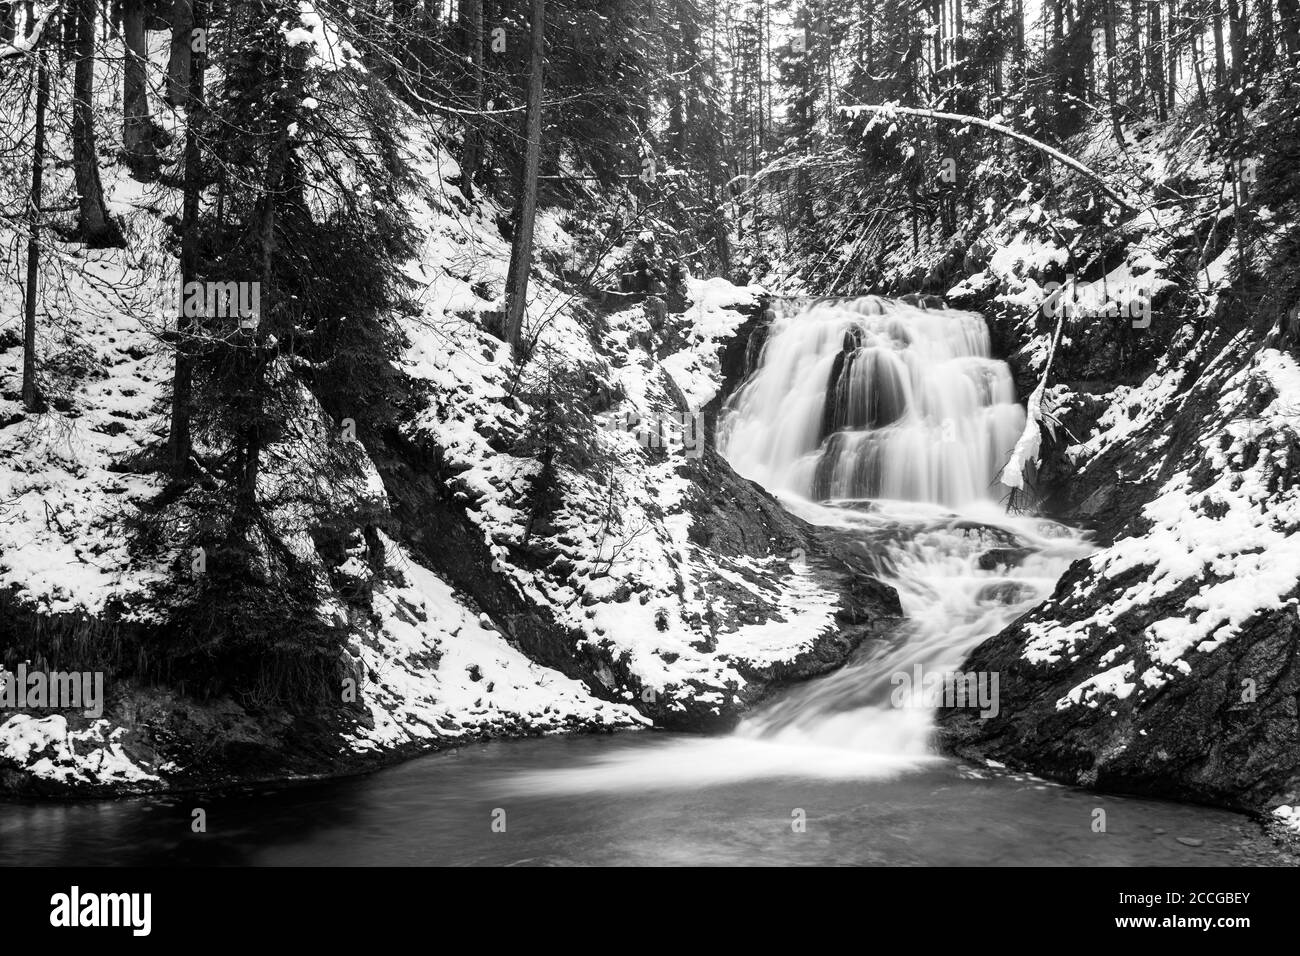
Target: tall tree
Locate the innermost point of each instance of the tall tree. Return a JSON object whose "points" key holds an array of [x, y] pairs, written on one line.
{"points": [[1288, 13], [1109, 17], [178, 61], [1220, 67], [94, 225], [472, 12], [137, 125], [521, 249], [178, 436], [31, 395]]}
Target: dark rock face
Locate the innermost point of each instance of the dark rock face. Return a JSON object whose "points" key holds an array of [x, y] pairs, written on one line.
{"points": [[1226, 730], [436, 526], [740, 357], [1227, 734]]}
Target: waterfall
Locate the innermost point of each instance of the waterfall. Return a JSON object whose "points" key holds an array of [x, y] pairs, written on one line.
{"points": [[893, 422], [874, 398]]}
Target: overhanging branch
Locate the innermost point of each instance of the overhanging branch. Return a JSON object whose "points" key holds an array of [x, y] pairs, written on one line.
{"points": [[890, 109]]}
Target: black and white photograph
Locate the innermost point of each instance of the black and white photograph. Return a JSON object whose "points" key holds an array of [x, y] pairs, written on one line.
{"points": [[651, 433]]}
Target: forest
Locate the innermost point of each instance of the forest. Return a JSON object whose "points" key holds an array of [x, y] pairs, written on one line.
{"points": [[381, 377]]}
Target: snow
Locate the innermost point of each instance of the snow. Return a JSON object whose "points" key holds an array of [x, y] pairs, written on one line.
{"points": [[638, 590], [715, 316], [1235, 540], [806, 610], [1025, 452], [480, 684], [50, 750], [1288, 816], [326, 49]]}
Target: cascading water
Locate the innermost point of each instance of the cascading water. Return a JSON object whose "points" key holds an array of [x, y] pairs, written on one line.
{"points": [[875, 399], [893, 421]]}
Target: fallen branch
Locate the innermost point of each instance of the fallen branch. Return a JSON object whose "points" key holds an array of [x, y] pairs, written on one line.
{"points": [[1056, 154], [1030, 441]]}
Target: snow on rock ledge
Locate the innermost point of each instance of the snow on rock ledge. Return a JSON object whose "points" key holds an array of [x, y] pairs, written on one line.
{"points": [[1165, 663]]}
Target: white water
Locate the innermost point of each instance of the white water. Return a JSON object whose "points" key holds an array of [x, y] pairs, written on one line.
{"points": [[903, 452], [875, 399], [894, 421]]}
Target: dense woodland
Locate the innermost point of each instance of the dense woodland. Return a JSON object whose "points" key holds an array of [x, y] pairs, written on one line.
{"points": [[698, 136]]}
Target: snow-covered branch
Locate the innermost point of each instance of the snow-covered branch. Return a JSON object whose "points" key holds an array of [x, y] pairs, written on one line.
{"points": [[23, 45], [890, 109]]}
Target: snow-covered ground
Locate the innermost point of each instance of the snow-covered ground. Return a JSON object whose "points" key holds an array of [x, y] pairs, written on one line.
{"points": [[631, 583], [627, 578]]}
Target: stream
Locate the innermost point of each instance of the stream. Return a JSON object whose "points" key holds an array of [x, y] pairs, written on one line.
{"points": [[873, 416]]}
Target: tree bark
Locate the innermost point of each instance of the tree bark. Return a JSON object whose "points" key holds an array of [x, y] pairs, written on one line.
{"points": [[471, 155], [178, 438], [31, 395], [178, 63], [1220, 69], [1288, 16], [94, 225], [1237, 46], [137, 125], [1112, 88], [521, 251], [1155, 61], [1171, 58], [1265, 44]]}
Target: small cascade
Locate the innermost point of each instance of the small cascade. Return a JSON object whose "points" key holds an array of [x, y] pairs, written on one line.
{"points": [[893, 422], [874, 398]]}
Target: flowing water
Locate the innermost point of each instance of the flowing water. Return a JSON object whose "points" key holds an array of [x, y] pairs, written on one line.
{"points": [[873, 416], [894, 422]]}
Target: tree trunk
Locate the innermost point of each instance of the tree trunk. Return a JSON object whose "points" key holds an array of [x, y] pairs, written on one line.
{"points": [[1155, 61], [1237, 45], [1171, 58], [1198, 51], [178, 439], [94, 225], [1136, 76], [521, 251], [1220, 70], [253, 438], [1051, 152], [178, 63], [137, 124], [31, 395], [470, 157], [1288, 16], [1112, 91], [1265, 42]]}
